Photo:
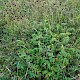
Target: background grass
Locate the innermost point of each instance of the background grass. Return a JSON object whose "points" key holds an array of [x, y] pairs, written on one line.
{"points": [[39, 39]]}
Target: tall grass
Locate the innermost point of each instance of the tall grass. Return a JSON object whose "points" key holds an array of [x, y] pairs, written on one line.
{"points": [[39, 33]]}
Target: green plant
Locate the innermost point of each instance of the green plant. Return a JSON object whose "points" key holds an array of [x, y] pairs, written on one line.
{"points": [[40, 40]]}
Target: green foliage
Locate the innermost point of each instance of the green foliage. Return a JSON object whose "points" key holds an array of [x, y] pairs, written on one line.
{"points": [[39, 40]]}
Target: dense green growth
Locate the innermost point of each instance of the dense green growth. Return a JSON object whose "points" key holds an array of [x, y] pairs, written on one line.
{"points": [[39, 39]]}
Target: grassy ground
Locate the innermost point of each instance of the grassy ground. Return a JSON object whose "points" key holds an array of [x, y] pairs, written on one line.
{"points": [[39, 39]]}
